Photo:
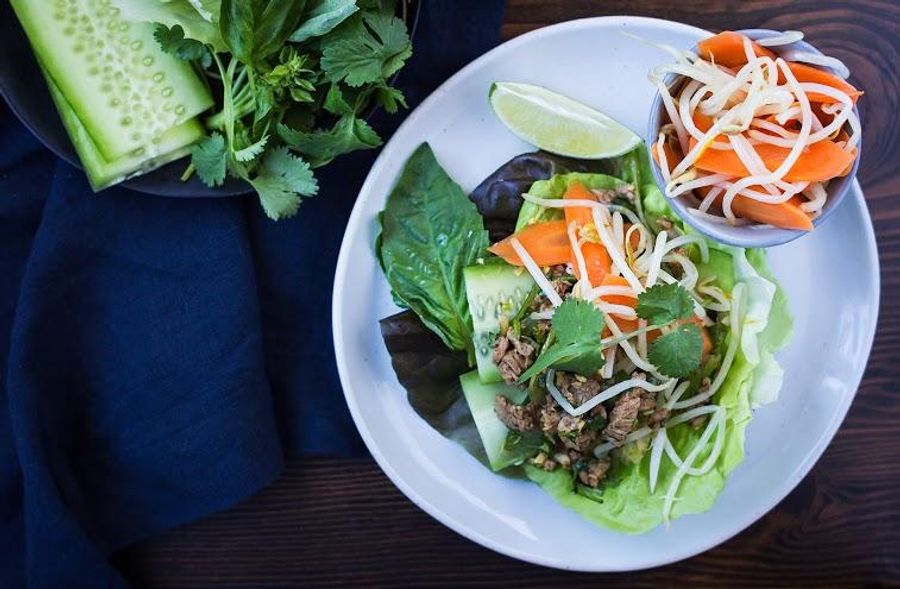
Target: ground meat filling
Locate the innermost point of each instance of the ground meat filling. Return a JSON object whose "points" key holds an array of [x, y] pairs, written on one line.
{"points": [[594, 471], [573, 433], [578, 390], [518, 418], [607, 195], [561, 285], [512, 356], [549, 416], [623, 416]]}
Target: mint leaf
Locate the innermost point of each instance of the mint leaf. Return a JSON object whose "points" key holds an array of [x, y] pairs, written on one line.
{"points": [[208, 158], [255, 29], [678, 352], [282, 179], [320, 18], [321, 146], [378, 50], [577, 326], [664, 303], [172, 41]]}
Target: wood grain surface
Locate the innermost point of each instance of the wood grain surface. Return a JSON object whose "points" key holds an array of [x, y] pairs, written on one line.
{"points": [[332, 522]]}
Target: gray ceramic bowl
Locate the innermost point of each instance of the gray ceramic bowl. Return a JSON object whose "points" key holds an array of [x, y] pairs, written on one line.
{"points": [[750, 235]]}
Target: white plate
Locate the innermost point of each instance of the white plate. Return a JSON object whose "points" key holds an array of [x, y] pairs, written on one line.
{"points": [[831, 278]]}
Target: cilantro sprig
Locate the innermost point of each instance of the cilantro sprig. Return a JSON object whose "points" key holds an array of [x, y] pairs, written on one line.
{"points": [[576, 330], [669, 307], [295, 78], [577, 325]]}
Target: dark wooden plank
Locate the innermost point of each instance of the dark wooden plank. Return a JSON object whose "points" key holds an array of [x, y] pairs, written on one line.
{"points": [[341, 522]]}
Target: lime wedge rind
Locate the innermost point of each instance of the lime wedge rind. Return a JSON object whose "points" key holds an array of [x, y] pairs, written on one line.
{"points": [[559, 124]]}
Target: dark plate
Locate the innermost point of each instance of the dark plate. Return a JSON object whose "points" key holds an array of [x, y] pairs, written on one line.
{"points": [[23, 87]]}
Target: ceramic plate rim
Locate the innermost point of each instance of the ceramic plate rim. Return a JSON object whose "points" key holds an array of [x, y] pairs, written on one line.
{"points": [[355, 224]]}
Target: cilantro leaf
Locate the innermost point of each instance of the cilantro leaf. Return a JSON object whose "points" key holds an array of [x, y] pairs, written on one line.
{"points": [[378, 50], [282, 179], [678, 352], [662, 304], [208, 158], [335, 103], [577, 321], [323, 145], [172, 41], [389, 98], [394, 38], [577, 325], [252, 151]]}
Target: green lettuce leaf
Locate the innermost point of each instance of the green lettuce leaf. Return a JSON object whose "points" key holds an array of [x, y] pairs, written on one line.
{"points": [[625, 503], [556, 187]]}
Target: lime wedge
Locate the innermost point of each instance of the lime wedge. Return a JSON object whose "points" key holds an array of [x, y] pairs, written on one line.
{"points": [[558, 124]]}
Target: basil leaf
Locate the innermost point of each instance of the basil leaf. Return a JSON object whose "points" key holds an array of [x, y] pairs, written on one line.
{"points": [[430, 232]]}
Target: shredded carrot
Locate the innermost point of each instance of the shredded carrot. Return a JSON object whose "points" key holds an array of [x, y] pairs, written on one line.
{"points": [[787, 215], [811, 74], [727, 49], [819, 162], [547, 243], [816, 162], [673, 154], [624, 324], [702, 122], [596, 258]]}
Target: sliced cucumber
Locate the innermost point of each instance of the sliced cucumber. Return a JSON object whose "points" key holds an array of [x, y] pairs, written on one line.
{"points": [[124, 89], [480, 398], [174, 144], [496, 292]]}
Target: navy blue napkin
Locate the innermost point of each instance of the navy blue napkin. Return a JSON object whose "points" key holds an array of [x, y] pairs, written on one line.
{"points": [[159, 357]]}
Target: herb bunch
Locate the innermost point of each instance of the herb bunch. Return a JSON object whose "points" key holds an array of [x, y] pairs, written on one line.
{"points": [[295, 78]]}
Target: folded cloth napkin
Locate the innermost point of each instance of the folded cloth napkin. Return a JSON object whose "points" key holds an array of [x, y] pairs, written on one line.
{"points": [[158, 357]]}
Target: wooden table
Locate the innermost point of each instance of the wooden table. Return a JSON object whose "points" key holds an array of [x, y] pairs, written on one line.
{"points": [[342, 522]]}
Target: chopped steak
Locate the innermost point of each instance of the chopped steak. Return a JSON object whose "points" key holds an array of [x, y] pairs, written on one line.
{"points": [[594, 471], [648, 402], [658, 417], [549, 415], [563, 459], [578, 390], [518, 418], [562, 287], [512, 356], [573, 434], [558, 271], [623, 416], [543, 461], [607, 195]]}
